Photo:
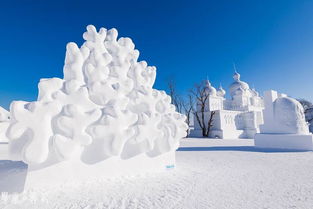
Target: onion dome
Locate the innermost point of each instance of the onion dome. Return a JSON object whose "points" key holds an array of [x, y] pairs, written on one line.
{"points": [[209, 89], [237, 85], [221, 92]]}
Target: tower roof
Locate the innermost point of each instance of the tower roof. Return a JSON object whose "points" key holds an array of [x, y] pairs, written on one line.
{"points": [[221, 92], [237, 85], [209, 89]]}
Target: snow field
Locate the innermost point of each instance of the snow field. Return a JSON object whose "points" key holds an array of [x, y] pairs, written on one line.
{"points": [[210, 173]]}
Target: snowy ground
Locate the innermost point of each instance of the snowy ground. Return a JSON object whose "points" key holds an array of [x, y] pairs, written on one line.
{"points": [[210, 173]]}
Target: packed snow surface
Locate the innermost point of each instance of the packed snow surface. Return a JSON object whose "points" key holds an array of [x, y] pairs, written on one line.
{"points": [[210, 173]]}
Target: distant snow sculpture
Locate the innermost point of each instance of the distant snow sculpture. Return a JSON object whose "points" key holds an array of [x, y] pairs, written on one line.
{"points": [[4, 115], [237, 117], [284, 124], [4, 124], [104, 106], [289, 114]]}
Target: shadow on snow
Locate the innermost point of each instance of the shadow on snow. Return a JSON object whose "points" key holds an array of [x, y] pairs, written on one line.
{"points": [[238, 148]]}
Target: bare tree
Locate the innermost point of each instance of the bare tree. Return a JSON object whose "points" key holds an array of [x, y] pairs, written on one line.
{"points": [[306, 104], [308, 109], [201, 96], [188, 105], [184, 105], [177, 100]]}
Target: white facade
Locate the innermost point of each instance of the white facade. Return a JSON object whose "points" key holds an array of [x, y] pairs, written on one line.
{"points": [[238, 117]]}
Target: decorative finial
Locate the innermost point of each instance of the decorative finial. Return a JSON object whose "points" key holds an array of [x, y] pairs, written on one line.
{"points": [[221, 91], [236, 74], [207, 83]]}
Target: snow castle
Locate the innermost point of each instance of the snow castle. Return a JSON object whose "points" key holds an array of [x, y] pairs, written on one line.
{"points": [[238, 117], [102, 119]]}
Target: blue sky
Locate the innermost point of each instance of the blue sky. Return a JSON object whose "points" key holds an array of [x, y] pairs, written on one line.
{"points": [[271, 42]]}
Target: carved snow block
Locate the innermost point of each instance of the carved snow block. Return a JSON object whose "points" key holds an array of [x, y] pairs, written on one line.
{"points": [[284, 124], [102, 119]]}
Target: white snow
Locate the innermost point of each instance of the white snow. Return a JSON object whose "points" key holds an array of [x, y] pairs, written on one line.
{"points": [[210, 173]]}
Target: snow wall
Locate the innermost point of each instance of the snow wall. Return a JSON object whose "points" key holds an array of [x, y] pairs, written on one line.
{"points": [[104, 107]]}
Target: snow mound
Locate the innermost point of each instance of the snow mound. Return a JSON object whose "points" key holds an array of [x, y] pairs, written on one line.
{"points": [[104, 106]]}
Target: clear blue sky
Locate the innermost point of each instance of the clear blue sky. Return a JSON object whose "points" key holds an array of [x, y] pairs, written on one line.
{"points": [[270, 41]]}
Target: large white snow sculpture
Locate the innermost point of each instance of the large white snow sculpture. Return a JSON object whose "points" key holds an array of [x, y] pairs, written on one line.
{"points": [[104, 107], [284, 124]]}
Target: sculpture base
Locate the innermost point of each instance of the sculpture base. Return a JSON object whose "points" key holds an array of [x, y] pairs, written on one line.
{"points": [[284, 141], [229, 134], [72, 172], [223, 134]]}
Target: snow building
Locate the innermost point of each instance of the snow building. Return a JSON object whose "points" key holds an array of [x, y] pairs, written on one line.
{"points": [[237, 117]]}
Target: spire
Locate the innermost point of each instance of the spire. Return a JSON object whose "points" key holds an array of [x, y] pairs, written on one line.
{"points": [[234, 66], [207, 83], [236, 75], [220, 87]]}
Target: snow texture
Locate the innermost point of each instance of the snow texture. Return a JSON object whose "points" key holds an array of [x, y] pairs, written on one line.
{"points": [[210, 173], [4, 124], [289, 114], [104, 106]]}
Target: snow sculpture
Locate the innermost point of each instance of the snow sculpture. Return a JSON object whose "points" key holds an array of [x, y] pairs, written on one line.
{"points": [[104, 107], [284, 124], [289, 114], [237, 117], [4, 124]]}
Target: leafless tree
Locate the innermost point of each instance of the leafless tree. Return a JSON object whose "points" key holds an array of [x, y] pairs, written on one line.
{"points": [[308, 109], [188, 107], [201, 97], [177, 100]]}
